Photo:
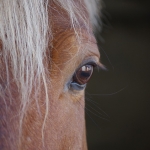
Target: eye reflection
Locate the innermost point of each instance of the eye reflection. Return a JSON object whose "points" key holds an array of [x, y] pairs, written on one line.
{"points": [[83, 74]]}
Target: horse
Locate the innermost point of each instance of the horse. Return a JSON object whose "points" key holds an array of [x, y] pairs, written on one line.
{"points": [[47, 55]]}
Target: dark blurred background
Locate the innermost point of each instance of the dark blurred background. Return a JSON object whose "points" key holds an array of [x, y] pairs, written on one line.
{"points": [[118, 100]]}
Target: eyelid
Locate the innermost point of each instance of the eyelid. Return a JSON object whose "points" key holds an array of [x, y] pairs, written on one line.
{"points": [[94, 64], [92, 61], [89, 61]]}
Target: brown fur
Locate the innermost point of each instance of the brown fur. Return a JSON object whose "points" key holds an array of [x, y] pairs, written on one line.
{"points": [[65, 124]]}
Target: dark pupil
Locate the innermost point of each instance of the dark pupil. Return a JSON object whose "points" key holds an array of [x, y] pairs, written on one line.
{"points": [[83, 74]]}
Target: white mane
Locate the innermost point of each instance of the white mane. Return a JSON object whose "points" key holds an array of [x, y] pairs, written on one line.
{"points": [[94, 7], [25, 32]]}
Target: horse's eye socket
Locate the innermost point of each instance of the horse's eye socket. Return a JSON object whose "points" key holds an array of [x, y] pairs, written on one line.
{"points": [[83, 74]]}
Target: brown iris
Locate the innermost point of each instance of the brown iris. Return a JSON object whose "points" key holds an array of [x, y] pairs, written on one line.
{"points": [[83, 74]]}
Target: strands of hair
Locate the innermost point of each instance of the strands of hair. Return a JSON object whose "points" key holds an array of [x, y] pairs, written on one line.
{"points": [[94, 7], [25, 32]]}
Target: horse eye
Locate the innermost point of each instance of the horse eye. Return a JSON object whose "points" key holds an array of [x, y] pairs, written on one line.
{"points": [[83, 74]]}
